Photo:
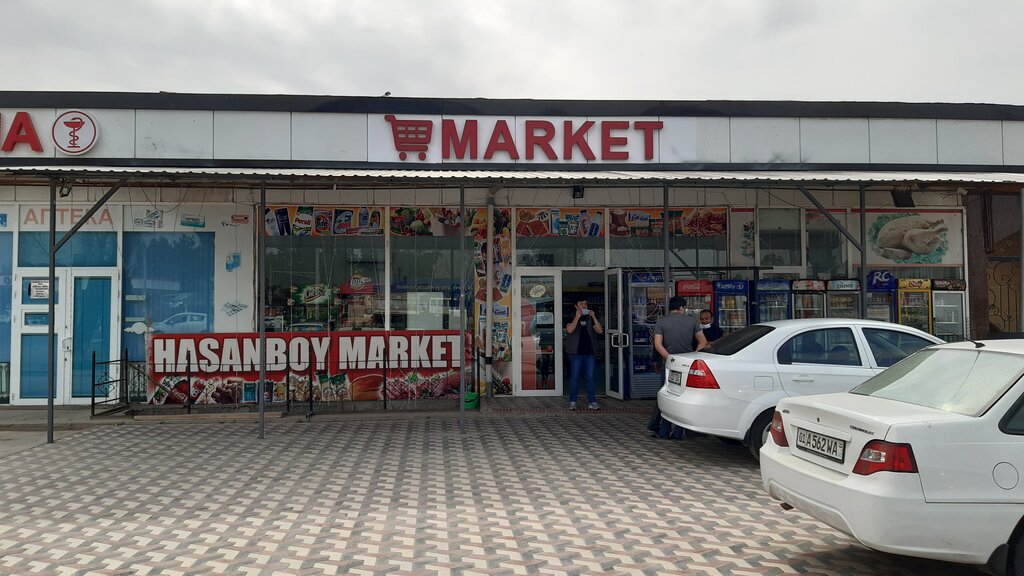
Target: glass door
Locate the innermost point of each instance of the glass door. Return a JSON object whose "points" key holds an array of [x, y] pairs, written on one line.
{"points": [[84, 317], [537, 332], [948, 315], [617, 340]]}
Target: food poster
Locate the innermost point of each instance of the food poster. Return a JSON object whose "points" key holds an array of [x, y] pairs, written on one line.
{"points": [[546, 222], [742, 237], [647, 222], [329, 366], [913, 237], [635, 222], [501, 296], [434, 221], [323, 221]]}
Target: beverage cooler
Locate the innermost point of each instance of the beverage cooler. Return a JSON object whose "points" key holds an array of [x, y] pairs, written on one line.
{"points": [[914, 303], [771, 298], [646, 297], [842, 300], [731, 304], [808, 299], [881, 286], [949, 306], [698, 293]]}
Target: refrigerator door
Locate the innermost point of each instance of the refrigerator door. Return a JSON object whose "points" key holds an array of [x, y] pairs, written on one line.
{"points": [[880, 306], [647, 304], [731, 312], [809, 305], [915, 309], [843, 305], [772, 306], [948, 315]]}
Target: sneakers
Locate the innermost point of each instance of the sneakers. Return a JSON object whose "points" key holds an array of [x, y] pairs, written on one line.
{"points": [[593, 406], [572, 405]]}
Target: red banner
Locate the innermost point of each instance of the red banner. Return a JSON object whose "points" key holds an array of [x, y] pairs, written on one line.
{"points": [[332, 366]]}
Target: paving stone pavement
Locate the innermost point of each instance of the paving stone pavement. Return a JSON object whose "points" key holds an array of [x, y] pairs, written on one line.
{"points": [[572, 494]]}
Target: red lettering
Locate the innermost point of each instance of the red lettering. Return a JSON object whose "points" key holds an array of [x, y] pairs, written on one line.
{"points": [[577, 139], [648, 128], [501, 141], [22, 132], [608, 141], [543, 141], [452, 142]]}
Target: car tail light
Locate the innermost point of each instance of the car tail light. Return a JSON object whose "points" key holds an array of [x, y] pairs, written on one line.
{"points": [[777, 430], [700, 376], [879, 456]]}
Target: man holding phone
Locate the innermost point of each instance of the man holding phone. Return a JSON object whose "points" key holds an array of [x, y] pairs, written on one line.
{"points": [[580, 345]]}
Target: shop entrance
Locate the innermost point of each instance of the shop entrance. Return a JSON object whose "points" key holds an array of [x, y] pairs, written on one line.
{"points": [[85, 321], [544, 301]]}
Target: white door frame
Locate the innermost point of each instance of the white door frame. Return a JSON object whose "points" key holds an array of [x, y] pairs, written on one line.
{"points": [[63, 327], [517, 330], [616, 339]]}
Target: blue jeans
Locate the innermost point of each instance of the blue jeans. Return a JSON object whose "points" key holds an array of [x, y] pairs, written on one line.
{"points": [[581, 364]]}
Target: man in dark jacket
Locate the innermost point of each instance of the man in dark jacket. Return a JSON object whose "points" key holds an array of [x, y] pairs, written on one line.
{"points": [[580, 345], [712, 331]]}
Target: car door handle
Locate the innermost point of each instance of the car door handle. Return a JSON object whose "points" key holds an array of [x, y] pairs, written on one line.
{"points": [[802, 379]]}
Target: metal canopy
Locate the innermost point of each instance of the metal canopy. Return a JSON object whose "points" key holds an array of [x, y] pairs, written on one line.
{"points": [[610, 177]]}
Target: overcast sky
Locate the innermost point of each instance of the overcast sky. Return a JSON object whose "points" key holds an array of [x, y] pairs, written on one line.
{"points": [[883, 50]]}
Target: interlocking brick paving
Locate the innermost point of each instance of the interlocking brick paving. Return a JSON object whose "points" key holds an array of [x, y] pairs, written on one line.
{"points": [[573, 493]]}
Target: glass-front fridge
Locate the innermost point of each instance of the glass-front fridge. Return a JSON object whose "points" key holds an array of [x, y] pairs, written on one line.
{"points": [[949, 318], [881, 287], [698, 293], [772, 300], [842, 299], [914, 303], [731, 304], [808, 299], [646, 294]]}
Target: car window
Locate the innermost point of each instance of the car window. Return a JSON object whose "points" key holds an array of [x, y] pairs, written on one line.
{"points": [[962, 381], [834, 346], [1013, 423], [890, 346], [733, 342]]}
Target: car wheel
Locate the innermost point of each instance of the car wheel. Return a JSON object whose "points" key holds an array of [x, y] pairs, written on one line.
{"points": [[759, 433]]}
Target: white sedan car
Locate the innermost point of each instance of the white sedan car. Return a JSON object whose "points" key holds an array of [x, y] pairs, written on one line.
{"points": [[730, 389], [922, 460]]}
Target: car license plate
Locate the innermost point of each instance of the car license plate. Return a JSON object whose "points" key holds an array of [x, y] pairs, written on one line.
{"points": [[827, 446]]}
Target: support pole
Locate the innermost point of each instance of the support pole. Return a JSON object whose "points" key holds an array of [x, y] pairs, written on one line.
{"points": [[462, 308], [51, 376], [261, 298], [863, 258], [666, 237]]}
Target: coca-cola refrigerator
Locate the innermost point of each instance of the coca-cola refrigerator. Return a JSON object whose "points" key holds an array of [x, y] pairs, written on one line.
{"points": [[881, 288], [699, 295], [808, 299]]}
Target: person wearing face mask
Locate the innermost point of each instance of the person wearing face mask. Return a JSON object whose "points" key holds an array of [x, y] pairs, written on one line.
{"points": [[712, 331], [580, 345]]}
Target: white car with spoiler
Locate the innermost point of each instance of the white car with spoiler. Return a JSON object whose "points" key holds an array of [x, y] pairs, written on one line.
{"points": [[924, 459], [730, 389]]}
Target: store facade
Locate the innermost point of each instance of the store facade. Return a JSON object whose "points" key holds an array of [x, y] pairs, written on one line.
{"points": [[408, 241]]}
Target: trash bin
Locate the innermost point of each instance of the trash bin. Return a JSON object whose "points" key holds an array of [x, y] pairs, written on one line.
{"points": [[471, 400]]}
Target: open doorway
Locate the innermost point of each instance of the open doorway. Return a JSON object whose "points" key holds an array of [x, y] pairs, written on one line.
{"points": [[586, 285]]}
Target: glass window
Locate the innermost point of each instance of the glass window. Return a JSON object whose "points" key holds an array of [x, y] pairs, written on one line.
{"points": [[735, 341], [834, 346], [636, 237], [890, 346], [1013, 423], [84, 249], [167, 286], [699, 238], [425, 281], [962, 381], [569, 237], [6, 268], [320, 283], [778, 233], [826, 246]]}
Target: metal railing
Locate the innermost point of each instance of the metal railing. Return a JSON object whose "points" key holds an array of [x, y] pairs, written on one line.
{"points": [[109, 385]]}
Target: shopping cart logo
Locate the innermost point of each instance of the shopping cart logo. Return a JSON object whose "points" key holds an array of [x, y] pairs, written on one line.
{"points": [[410, 136]]}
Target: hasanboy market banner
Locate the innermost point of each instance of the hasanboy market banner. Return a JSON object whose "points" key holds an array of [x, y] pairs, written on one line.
{"points": [[370, 365]]}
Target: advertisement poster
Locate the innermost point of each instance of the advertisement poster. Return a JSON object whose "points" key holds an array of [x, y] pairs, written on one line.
{"points": [[433, 221], [915, 237], [355, 366], [323, 221], [635, 222], [647, 222], [501, 298], [546, 222]]}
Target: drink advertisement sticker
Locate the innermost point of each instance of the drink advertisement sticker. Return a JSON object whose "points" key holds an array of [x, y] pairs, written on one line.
{"points": [[915, 284], [843, 285]]}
